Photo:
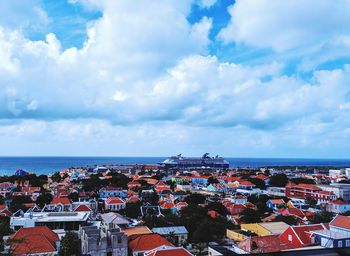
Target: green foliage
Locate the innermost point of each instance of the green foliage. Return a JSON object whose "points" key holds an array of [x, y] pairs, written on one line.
{"points": [[212, 180], [18, 203], [195, 199], [151, 198], [56, 177], [258, 183], [4, 226], [95, 183], [44, 198], [278, 180], [218, 207], [250, 216], [311, 201], [70, 245], [322, 217], [74, 196], [132, 210], [302, 181]]}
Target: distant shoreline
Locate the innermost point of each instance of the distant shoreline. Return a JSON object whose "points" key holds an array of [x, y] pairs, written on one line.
{"points": [[47, 165]]}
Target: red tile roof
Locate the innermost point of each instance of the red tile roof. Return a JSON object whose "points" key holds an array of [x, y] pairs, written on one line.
{"points": [[140, 243], [168, 251], [114, 200], [82, 208], [339, 202], [34, 240], [246, 183], [167, 205], [133, 199], [341, 222], [303, 232], [277, 201]]}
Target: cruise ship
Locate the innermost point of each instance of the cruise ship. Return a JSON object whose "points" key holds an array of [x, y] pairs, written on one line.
{"points": [[206, 161]]}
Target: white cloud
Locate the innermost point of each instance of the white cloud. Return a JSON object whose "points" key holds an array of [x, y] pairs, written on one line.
{"points": [[207, 3], [144, 77], [283, 25]]}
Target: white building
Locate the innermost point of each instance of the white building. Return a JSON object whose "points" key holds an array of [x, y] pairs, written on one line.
{"points": [[53, 220]]}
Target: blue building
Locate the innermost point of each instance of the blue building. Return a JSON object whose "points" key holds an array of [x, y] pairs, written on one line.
{"points": [[338, 235], [112, 192]]}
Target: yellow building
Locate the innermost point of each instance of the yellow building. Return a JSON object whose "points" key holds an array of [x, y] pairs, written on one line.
{"points": [[235, 235], [266, 228]]}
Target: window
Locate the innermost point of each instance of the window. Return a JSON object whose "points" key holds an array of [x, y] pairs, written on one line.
{"points": [[290, 238], [340, 244], [347, 243]]}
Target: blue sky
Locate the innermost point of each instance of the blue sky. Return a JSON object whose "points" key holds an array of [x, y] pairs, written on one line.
{"points": [[245, 78]]}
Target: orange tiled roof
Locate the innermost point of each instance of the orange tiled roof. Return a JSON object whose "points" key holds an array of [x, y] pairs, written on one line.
{"points": [[341, 222], [34, 241], [147, 242], [114, 200], [82, 208], [137, 231]]}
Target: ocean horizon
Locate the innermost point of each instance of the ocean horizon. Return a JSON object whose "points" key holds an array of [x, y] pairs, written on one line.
{"points": [[50, 164]]}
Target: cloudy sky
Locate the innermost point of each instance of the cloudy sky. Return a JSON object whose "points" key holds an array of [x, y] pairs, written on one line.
{"points": [[244, 78]]}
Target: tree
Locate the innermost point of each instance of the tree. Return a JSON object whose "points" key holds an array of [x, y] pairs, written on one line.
{"points": [[311, 201], [249, 216], [278, 180], [56, 177], [302, 181], [70, 245], [195, 199], [18, 203], [132, 210], [218, 207], [74, 196], [258, 183], [322, 217], [212, 180], [44, 198], [151, 198]]}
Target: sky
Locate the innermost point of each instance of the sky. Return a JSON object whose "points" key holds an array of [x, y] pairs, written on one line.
{"points": [[244, 78]]}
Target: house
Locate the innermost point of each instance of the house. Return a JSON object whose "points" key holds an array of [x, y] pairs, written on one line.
{"points": [[133, 184], [337, 236], [103, 241], [338, 206], [168, 250], [266, 229], [263, 177], [238, 199], [139, 230], [262, 244], [219, 188], [168, 205], [114, 204], [301, 236], [275, 204], [235, 209], [53, 220], [35, 241], [200, 180], [112, 192], [64, 203], [179, 234], [140, 244], [180, 205], [246, 185], [113, 219], [305, 191]]}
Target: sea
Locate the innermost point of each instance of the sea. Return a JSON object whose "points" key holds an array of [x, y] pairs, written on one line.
{"points": [[49, 165]]}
